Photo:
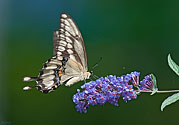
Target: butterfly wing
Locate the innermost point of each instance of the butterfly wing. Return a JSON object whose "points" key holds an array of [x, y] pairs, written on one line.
{"points": [[68, 41], [49, 77], [69, 58]]}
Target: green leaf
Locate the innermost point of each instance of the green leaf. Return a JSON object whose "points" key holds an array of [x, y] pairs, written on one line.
{"points": [[155, 89], [173, 65], [170, 100]]}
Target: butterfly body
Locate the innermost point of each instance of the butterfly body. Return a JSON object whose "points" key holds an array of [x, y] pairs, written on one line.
{"points": [[69, 63]]}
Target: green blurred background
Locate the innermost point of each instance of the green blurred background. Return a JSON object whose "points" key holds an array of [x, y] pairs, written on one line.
{"points": [[130, 35]]}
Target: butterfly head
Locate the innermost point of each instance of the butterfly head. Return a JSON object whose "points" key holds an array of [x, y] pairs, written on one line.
{"points": [[91, 72], [87, 75]]}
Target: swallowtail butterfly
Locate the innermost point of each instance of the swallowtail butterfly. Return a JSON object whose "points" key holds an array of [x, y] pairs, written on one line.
{"points": [[69, 61]]}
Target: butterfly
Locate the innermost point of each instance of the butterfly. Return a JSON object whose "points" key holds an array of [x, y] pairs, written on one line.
{"points": [[69, 61]]}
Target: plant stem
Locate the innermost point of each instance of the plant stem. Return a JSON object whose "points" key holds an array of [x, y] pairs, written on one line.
{"points": [[161, 91]]}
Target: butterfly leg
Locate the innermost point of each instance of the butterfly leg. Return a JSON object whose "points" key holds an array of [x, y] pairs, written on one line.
{"points": [[91, 79], [95, 76]]}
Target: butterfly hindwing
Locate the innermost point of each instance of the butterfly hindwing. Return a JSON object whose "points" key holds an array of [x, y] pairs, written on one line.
{"points": [[50, 76]]}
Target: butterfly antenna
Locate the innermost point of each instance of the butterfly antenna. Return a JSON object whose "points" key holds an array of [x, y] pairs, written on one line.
{"points": [[95, 65]]}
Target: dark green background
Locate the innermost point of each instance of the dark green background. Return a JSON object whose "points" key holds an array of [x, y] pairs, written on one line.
{"points": [[130, 35]]}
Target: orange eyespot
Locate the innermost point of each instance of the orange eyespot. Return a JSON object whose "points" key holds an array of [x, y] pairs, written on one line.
{"points": [[60, 73], [55, 86]]}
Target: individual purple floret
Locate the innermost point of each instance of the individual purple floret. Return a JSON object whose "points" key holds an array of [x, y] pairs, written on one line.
{"points": [[108, 89], [147, 83], [135, 78]]}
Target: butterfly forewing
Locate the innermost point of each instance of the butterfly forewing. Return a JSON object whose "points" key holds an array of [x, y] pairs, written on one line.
{"points": [[68, 41]]}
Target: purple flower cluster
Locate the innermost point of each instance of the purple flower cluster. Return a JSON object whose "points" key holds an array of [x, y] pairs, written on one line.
{"points": [[147, 83], [108, 89]]}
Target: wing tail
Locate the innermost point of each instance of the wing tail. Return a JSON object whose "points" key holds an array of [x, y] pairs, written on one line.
{"points": [[28, 79], [29, 87]]}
